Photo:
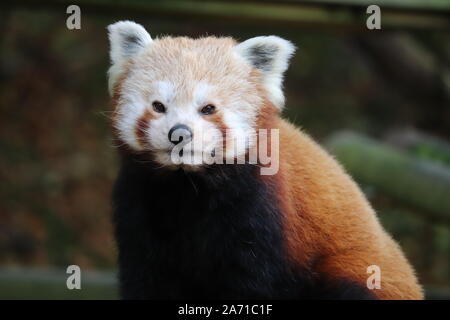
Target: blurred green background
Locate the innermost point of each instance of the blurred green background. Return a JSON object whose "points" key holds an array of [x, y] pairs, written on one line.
{"points": [[379, 100]]}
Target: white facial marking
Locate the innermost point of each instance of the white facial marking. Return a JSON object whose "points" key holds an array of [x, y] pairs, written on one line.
{"points": [[128, 115], [165, 91], [201, 92], [205, 133]]}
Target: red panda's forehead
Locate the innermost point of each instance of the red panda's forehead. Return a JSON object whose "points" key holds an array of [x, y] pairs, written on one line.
{"points": [[184, 61]]}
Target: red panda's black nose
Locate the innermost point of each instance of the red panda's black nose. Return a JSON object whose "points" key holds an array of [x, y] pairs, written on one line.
{"points": [[180, 132]]}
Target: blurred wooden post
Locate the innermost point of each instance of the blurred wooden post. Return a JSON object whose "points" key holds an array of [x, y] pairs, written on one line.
{"points": [[332, 14], [422, 184], [50, 284]]}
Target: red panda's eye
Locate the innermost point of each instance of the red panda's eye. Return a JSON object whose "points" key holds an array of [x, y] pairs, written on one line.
{"points": [[158, 107], [208, 109]]}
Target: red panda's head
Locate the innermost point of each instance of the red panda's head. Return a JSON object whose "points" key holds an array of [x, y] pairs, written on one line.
{"points": [[206, 91]]}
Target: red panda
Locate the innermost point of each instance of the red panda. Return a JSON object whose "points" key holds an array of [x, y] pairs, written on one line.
{"points": [[224, 229]]}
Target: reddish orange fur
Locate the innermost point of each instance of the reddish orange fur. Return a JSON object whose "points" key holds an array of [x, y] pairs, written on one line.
{"points": [[141, 126], [329, 225]]}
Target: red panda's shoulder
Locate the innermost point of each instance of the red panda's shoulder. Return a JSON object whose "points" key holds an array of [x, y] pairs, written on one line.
{"points": [[320, 192]]}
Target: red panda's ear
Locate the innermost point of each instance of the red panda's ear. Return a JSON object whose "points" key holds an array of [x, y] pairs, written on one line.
{"points": [[126, 39], [271, 56]]}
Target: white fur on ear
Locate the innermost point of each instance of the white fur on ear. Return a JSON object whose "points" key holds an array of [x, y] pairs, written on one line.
{"points": [[271, 56], [126, 39]]}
